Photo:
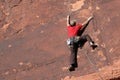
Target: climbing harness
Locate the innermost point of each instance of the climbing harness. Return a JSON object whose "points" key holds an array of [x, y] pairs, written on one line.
{"points": [[72, 40]]}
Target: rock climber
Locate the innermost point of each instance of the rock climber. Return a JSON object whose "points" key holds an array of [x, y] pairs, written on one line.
{"points": [[77, 40]]}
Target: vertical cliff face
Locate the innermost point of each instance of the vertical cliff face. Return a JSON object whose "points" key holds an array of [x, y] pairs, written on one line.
{"points": [[33, 39]]}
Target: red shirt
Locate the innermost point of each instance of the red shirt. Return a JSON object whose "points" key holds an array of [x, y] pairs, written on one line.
{"points": [[73, 31]]}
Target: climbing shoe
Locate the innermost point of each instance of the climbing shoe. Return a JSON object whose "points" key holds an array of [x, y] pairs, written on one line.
{"points": [[75, 65], [71, 68], [93, 45]]}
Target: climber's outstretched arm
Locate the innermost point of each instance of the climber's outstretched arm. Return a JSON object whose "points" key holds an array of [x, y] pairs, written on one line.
{"points": [[68, 20], [85, 24]]}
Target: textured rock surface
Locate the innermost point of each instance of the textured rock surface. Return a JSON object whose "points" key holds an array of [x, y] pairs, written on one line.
{"points": [[33, 35]]}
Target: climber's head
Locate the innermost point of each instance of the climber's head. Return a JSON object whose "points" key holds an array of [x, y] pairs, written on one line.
{"points": [[73, 23]]}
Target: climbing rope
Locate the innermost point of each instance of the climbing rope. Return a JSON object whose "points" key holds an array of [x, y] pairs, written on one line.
{"points": [[94, 66], [95, 28]]}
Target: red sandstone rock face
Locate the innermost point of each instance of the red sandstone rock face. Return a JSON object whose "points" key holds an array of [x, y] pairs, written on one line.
{"points": [[33, 35]]}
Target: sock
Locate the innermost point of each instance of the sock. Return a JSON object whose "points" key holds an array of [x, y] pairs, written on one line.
{"points": [[91, 43]]}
